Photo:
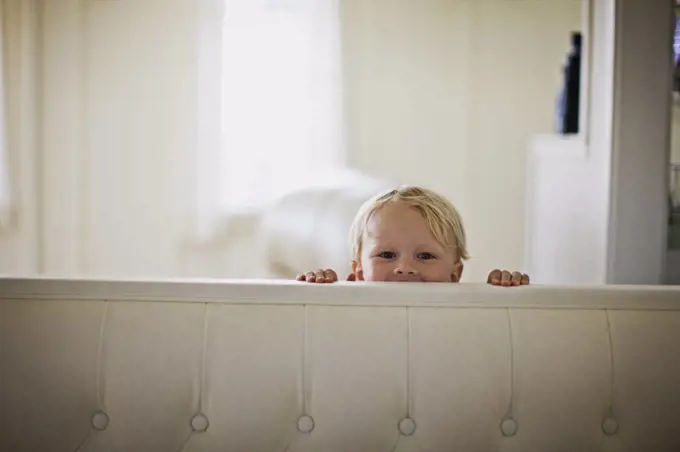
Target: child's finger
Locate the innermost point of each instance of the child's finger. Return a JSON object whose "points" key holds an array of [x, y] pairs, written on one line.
{"points": [[351, 277], [505, 278], [494, 277], [330, 275], [516, 278], [320, 276], [525, 279]]}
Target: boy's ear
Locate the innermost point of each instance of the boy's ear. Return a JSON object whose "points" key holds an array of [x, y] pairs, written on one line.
{"points": [[358, 271], [457, 272]]}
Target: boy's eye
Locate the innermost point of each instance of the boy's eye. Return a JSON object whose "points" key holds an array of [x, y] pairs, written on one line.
{"points": [[387, 254], [426, 256]]}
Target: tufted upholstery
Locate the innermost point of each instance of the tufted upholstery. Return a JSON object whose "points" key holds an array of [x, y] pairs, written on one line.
{"points": [[278, 365]]}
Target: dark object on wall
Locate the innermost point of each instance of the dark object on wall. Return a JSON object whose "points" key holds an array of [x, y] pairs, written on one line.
{"points": [[569, 101]]}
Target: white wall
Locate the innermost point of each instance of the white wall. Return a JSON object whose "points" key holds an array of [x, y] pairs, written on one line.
{"points": [[444, 93], [119, 131], [448, 93], [569, 177]]}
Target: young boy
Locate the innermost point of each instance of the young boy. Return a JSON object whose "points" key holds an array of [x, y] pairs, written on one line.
{"points": [[409, 234]]}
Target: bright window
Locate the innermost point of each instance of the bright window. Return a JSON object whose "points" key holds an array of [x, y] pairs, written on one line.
{"points": [[281, 113]]}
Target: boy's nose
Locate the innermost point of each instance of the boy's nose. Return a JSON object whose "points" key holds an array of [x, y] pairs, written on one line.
{"points": [[404, 268], [405, 271]]}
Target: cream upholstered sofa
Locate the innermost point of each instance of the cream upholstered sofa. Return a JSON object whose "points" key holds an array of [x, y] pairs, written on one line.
{"points": [[95, 365]]}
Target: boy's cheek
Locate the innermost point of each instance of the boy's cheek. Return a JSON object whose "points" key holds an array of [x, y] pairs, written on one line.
{"points": [[367, 273], [374, 273]]}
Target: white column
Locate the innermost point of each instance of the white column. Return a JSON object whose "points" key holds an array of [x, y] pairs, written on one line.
{"points": [[637, 241]]}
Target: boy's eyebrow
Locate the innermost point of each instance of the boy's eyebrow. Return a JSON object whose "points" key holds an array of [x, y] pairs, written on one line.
{"points": [[390, 243]]}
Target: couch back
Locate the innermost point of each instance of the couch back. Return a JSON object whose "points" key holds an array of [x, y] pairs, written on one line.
{"points": [[95, 365]]}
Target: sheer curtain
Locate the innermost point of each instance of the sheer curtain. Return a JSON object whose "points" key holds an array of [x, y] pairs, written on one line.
{"points": [[281, 114], [5, 187]]}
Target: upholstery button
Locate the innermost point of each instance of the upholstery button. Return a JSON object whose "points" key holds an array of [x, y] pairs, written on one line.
{"points": [[407, 426], [199, 423], [509, 427], [100, 421], [305, 423], [610, 426]]}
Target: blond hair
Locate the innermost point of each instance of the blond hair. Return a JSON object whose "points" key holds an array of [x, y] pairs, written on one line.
{"points": [[443, 219]]}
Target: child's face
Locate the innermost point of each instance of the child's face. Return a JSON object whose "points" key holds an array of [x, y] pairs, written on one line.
{"points": [[398, 246]]}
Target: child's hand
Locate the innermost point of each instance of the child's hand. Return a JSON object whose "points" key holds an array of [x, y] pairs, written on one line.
{"points": [[322, 276], [505, 278]]}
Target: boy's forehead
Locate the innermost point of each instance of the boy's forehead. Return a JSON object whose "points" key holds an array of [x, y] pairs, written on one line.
{"points": [[396, 218], [397, 221]]}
